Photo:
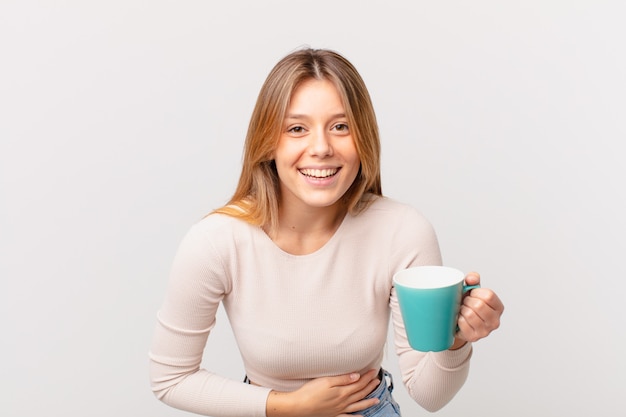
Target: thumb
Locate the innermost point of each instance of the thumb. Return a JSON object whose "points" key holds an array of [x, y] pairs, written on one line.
{"points": [[472, 278]]}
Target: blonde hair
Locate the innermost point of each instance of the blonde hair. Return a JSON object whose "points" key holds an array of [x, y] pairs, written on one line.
{"points": [[257, 194]]}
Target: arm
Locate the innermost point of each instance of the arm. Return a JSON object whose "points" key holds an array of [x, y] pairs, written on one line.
{"points": [[325, 397], [432, 379], [197, 285], [437, 376]]}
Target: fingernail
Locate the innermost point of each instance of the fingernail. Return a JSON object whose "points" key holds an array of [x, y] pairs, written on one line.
{"points": [[354, 376]]}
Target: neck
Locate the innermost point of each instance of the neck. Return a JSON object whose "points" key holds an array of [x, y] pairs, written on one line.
{"points": [[303, 231]]}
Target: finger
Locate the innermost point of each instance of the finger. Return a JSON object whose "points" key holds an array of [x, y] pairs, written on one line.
{"points": [[474, 306], [488, 297], [361, 405], [488, 315], [346, 379], [471, 330], [365, 385], [477, 323], [354, 377], [472, 278], [465, 330], [371, 374], [362, 391], [368, 376], [471, 317]]}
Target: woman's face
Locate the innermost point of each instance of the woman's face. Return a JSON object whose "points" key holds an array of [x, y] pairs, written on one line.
{"points": [[316, 158]]}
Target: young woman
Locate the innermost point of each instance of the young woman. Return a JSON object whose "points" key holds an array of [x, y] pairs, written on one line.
{"points": [[302, 258]]}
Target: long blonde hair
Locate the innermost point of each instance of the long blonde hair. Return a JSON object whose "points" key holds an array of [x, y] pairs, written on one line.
{"points": [[257, 195]]}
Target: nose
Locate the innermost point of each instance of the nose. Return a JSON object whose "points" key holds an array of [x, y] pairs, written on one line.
{"points": [[320, 143]]}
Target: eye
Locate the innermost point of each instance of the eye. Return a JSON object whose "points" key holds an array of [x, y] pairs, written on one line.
{"points": [[341, 127], [296, 129]]}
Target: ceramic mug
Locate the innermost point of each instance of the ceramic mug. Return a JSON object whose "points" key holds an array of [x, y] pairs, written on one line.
{"points": [[430, 300]]}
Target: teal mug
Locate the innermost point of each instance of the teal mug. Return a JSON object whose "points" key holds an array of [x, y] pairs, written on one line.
{"points": [[430, 300]]}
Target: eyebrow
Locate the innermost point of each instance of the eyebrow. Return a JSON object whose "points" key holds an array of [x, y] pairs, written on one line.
{"points": [[304, 116]]}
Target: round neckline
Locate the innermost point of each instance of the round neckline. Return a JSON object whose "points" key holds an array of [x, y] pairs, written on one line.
{"points": [[319, 251]]}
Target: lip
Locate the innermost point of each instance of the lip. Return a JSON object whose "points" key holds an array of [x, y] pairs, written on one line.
{"points": [[319, 172], [319, 176]]}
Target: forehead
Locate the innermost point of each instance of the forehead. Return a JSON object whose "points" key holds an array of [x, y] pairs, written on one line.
{"points": [[315, 95]]}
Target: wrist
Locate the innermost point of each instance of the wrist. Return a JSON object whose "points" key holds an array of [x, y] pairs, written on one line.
{"points": [[457, 344], [279, 404]]}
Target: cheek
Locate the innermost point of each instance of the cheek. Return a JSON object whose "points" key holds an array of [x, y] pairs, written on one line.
{"points": [[355, 166], [347, 148], [281, 158], [353, 156], [280, 167], [284, 162]]}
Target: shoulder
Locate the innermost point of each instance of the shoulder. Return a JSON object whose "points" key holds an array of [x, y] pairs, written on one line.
{"points": [[219, 223], [392, 212], [217, 233], [388, 204], [398, 229]]}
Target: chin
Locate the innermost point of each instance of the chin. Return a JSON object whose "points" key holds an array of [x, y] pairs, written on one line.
{"points": [[322, 203]]}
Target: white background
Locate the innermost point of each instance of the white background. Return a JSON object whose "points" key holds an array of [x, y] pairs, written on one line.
{"points": [[122, 123]]}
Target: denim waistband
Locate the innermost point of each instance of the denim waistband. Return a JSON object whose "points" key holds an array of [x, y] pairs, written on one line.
{"points": [[387, 407], [384, 376]]}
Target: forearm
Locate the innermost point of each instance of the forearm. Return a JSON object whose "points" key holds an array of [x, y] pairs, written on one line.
{"points": [[208, 394], [280, 404], [437, 376], [178, 380], [325, 396]]}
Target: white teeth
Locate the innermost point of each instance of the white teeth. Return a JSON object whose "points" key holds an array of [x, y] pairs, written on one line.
{"points": [[319, 173]]}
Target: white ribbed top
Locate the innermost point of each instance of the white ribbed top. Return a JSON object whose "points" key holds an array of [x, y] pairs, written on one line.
{"points": [[295, 317]]}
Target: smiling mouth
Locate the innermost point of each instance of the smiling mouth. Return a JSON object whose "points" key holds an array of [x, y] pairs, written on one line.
{"points": [[319, 173]]}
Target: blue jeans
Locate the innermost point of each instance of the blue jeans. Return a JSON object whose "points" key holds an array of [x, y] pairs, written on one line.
{"points": [[387, 407]]}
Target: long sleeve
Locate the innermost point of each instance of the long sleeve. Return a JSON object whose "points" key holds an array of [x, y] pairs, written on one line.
{"points": [[432, 379], [196, 287]]}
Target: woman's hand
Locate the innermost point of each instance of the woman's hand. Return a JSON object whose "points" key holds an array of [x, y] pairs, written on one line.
{"points": [[479, 315], [325, 397]]}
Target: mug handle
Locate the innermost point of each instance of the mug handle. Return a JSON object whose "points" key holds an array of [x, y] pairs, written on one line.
{"points": [[467, 288]]}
